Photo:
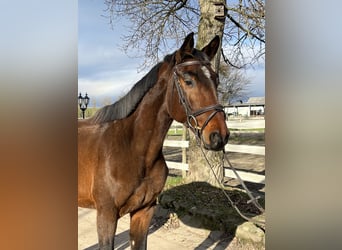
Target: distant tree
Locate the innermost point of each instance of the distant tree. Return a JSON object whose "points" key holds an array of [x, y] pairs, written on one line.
{"points": [[106, 101], [233, 84], [93, 102]]}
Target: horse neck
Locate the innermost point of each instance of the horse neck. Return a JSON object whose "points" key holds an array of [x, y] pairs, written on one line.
{"points": [[152, 121]]}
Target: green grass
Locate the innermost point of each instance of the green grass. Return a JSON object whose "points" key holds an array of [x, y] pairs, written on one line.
{"points": [[173, 132], [88, 113], [261, 130], [256, 139], [173, 181], [179, 132]]}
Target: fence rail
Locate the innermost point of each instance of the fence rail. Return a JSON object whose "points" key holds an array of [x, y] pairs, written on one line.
{"points": [[247, 149], [246, 176]]}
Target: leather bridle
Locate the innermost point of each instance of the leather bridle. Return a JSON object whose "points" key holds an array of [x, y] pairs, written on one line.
{"points": [[191, 115]]}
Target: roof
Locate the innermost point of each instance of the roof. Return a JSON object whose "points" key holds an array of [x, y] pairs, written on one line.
{"points": [[252, 101], [256, 100]]}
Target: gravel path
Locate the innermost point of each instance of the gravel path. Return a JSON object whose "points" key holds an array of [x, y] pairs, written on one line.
{"points": [[180, 237]]}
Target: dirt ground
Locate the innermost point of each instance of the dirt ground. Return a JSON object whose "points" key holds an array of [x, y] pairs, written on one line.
{"points": [[179, 236], [169, 232]]}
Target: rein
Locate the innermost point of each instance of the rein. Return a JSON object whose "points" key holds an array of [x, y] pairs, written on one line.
{"points": [[253, 200], [192, 123], [191, 116]]}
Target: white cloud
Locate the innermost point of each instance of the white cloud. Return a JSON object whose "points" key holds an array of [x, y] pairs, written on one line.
{"points": [[114, 84], [90, 54]]}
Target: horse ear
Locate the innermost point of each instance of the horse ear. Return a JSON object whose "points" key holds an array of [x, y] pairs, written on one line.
{"points": [[211, 49], [187, 47]]}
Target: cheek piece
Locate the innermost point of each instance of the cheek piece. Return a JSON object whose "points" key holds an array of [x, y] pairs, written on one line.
{"points": [[191, 116]]}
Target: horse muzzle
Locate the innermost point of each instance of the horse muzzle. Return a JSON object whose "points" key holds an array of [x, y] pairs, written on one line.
{"points": [[214, 132], [216, 141]]}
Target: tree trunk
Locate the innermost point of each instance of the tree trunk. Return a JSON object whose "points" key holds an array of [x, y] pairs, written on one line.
{"points": [[199, 169], [209, 27]]}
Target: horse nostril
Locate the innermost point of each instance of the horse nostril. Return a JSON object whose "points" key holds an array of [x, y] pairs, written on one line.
{"points": [[216, 142]]}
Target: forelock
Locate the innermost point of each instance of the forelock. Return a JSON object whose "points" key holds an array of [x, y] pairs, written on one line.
{"points": [[206, 71]]}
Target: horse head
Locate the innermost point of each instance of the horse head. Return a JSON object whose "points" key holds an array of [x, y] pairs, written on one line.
{"points": [[193, 93]]}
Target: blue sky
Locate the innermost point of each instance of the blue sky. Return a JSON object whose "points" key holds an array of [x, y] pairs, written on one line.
{"points": [[105, 71]]}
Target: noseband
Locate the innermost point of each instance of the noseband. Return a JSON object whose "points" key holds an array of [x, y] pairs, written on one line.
{"points": [[191, 116]]}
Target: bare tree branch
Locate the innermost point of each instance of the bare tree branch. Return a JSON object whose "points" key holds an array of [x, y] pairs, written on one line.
{"points": [[158, 26], [248, 32], [233, 84]]}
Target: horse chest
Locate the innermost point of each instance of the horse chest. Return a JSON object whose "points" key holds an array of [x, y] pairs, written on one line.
{"points": [[145, 189]]}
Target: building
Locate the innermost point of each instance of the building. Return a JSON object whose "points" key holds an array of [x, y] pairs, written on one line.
{"points": [[255, 106]]}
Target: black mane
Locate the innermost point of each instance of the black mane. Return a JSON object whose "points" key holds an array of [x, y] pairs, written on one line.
{"points": [[127, 104]]}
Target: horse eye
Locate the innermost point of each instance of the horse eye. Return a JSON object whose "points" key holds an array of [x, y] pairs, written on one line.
{"points": [[188, 82]]}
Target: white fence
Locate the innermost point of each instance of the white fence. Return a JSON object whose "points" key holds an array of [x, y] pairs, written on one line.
{"points": [[247, 149], [177, 144]]}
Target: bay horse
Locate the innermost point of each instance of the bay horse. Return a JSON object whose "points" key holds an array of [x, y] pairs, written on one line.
{"points": [[121, 168]]}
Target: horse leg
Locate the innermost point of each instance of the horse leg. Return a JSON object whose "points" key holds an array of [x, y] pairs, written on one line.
{"points": [[106, 227], [140, 222]]}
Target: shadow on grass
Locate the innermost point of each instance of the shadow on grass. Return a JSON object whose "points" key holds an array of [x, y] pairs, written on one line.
{"points": [[200, 205]]}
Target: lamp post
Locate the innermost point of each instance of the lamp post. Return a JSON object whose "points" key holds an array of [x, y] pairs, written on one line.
{"points": [[83, 102]]}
